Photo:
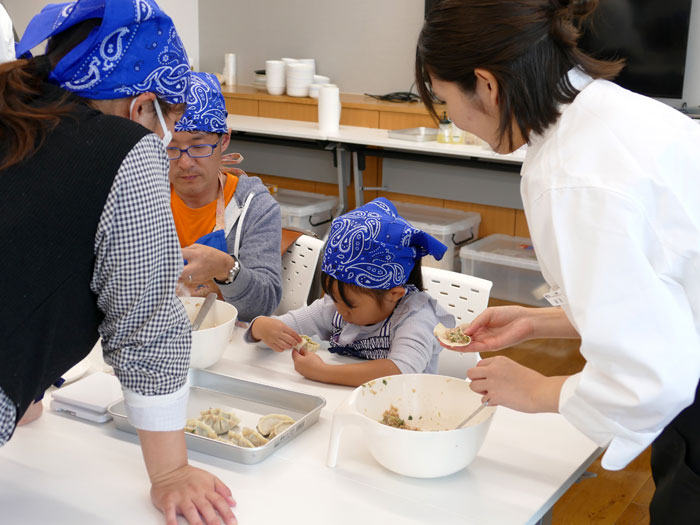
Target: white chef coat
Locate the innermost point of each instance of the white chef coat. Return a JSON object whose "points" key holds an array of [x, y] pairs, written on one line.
{"points": [[612, 198]]}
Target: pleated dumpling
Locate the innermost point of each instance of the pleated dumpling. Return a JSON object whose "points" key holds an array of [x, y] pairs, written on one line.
{"points": [[220, 424], [238, 439], [199, 428], [268, 422], [254, 437], [307, 344], [231, 416]]}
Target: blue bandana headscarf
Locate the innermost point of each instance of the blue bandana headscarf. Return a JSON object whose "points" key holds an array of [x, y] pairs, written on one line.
{"points": [[374, 247], [134, 50], [206, 107]]}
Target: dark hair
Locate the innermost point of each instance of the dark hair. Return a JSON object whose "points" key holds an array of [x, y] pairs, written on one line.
{"points": [[26, 115], [415, 278], [528, 45]]}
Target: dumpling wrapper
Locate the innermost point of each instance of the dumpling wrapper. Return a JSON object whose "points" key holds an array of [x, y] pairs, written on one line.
{"points": [[255, 437], [270, 421], [280, 427], [238, 439], [307, 344], [199, 428], [447, 336]]}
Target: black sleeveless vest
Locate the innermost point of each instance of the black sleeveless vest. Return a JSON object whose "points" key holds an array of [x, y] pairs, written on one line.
{"points": [[50, 206]]}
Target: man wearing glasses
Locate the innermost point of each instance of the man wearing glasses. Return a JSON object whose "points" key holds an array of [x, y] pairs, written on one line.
{"points": [[228, 224]]}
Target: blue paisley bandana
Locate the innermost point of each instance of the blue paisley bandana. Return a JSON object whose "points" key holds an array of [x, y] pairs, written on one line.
{"points": [[206, 107], [134, 50], [374, 247]]}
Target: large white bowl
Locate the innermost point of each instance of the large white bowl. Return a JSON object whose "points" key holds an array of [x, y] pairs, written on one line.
{"points": [[434, 402], [209, 342]]}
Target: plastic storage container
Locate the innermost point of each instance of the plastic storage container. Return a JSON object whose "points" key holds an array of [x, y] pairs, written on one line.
{"points": [[307, 211], [453, 228], [510, 263]]}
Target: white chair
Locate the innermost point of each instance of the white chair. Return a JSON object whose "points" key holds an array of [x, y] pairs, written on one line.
{"points": [[463, 296], [298, 271]]}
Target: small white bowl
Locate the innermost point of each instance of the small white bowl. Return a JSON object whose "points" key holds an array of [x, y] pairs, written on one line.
{"points": [[321, 79], [433, 403], [209, 342]]}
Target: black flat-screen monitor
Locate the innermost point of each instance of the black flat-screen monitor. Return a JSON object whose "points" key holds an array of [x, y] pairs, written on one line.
{"points": [[651, 35]]}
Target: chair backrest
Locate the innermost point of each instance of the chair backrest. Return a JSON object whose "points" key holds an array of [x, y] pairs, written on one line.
{"points": [[463, 296], [298, 271]]}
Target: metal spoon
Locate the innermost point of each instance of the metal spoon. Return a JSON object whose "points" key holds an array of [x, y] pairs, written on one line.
{"points": [[471, 416], [203, 311]]}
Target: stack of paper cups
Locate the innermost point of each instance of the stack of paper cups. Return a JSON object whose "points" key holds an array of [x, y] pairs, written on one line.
{"points": [[328, 108], [230, 69]]}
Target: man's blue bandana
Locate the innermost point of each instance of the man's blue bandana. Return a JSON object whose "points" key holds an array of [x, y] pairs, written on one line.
{"points": [[206, 107]]}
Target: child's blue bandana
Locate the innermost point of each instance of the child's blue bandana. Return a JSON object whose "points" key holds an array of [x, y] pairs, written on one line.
{"points": [[374, 247], [134, 50], [206, 107]]}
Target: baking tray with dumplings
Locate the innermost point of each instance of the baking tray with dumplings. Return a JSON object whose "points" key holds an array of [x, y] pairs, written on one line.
{"points": [[236, 419]]}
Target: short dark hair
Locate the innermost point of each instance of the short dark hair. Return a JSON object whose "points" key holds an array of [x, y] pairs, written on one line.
{"points": [[415, 279], [528, 45]]}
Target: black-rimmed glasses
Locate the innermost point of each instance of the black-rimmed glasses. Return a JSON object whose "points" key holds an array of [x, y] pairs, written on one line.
{"points": [[196, 151]]}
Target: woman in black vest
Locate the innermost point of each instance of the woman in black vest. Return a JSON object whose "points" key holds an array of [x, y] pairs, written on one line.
{"points": [[86, 209]]}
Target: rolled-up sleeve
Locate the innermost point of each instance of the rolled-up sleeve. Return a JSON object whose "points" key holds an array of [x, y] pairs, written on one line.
{"points": [[638, 335], [145, 333]]}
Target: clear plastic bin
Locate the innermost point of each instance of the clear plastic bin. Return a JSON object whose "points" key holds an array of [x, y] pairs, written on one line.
{"points": [[307, 211], [510, 263], [453, 228]]}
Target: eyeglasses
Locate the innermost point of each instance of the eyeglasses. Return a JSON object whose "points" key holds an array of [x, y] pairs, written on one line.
{"points": [[196, 151]]}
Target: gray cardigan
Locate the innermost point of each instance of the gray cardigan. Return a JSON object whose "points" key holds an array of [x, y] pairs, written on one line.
{"points": [[257, 289]]}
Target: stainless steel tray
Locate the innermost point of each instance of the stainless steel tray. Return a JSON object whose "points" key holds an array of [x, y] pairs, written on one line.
{"points": [[421, 134], [249, 401]]}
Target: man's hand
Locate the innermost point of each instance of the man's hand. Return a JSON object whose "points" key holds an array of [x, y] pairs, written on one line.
{"points": [[205, 263]]}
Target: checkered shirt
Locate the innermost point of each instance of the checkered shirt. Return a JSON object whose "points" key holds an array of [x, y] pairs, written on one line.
{"points": [[145, 334]]}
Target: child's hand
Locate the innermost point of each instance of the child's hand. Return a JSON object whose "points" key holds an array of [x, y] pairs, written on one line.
{"points": [[308, 364], [274, 333]]}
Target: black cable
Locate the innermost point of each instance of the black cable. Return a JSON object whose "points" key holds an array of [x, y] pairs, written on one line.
{"points": [[397, 96]]}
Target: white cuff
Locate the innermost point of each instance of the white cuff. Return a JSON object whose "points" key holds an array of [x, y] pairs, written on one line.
{"points": [[624, 444], [157, 413]]}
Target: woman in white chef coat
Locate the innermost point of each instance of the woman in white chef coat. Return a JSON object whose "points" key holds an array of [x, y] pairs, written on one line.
{"points": [[611, 190]]}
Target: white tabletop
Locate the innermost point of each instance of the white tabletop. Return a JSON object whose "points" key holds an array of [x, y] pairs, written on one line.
{"points": [[364, 136], [60, 470]]}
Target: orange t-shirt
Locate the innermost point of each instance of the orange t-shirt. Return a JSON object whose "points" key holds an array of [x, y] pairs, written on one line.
{"points": [[193, 223]]}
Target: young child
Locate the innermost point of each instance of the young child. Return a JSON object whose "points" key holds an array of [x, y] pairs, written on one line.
{"points": [[374, 307]]}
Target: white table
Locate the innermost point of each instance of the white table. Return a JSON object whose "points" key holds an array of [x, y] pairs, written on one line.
{"points": [[349, 138], [60, 470]]}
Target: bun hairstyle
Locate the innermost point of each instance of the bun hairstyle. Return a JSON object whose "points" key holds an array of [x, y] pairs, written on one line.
{"points": [[528, 45]]}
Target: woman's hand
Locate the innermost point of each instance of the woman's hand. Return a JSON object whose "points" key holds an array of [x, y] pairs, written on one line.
{"points": [[204, 263], [502, 381], [310, 365], [496, 328], [274, 333], [196, 494]]}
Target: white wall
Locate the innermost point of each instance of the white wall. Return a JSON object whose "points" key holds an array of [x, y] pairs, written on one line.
{"points": [[363, 45], [185, 15]]}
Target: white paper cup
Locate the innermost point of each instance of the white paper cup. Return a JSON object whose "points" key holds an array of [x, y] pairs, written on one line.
{"points": [[329, 108]]}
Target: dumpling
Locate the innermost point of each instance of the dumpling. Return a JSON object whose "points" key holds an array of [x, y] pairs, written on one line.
{"points": [[219, 424], [231, 416], [199, 428], [238, 439], [307, 344], [451, 336], [270, 421], [280, 427], [254, 437]]}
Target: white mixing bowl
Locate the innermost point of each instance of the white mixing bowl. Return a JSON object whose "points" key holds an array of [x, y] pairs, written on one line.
{"points": [[209, 342], [429, 402]]}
